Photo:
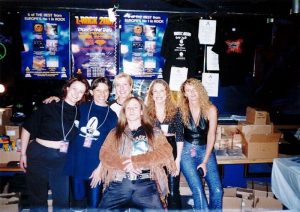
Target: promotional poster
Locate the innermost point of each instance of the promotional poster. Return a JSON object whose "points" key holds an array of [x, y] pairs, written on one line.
{"points": [[141, 39], [94, 41], [46, 42]]}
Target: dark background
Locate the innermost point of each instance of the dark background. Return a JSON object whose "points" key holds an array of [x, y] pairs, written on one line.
{"points": [[274, 84]]}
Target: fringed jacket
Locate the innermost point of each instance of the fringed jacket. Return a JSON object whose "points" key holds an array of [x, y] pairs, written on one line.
{"points": [[113, 153]]}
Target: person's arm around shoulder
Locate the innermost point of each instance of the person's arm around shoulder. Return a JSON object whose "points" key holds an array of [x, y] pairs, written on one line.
{"points": [[212, 116], [25, 136], [51, 99]]}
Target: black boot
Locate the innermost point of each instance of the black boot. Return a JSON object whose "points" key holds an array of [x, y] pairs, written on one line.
{"points": [[174, 198]]}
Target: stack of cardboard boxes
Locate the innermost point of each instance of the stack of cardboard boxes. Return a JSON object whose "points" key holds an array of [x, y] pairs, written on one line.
{"points": [[9, 150], [228, 141], [255, 137], [259, 139], [256, 197]]}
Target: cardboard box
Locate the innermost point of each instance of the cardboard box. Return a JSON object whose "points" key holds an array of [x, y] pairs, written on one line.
{"points": [[267, 203], [5, 157], [230, 192], [258, 193], [9, 208], [232, 203], [262, 146], [256, 116], [14, 132], [245, 193], [247, 130], [5, 115]]}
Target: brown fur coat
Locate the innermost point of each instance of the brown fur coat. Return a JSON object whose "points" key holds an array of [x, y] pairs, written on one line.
{"points": [[113, 154]]}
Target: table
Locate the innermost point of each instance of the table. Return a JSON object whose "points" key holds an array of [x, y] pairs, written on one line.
{"points": [[5, 168], [241, 160], [286, 181]]}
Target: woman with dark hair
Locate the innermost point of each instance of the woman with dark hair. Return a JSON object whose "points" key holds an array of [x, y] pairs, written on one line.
{"points": [[96, 120], [165, 115], [133, 158], [200, 118], [51, 127]]}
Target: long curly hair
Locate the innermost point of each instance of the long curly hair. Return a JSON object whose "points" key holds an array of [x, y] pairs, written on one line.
{"points": [[170, 105], [204, 102], [146, 121]]}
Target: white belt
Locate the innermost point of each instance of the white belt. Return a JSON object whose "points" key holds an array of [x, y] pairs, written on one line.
{"points": [[49, 144]]}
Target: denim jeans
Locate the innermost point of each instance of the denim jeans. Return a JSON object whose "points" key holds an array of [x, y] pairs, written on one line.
{"points": [[192, 156], [140, 194]]}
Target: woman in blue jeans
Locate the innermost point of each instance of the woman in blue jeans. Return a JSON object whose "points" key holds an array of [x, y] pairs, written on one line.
{"points": [[199, 117]]}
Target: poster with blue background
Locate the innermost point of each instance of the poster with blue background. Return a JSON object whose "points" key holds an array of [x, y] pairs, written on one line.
{"points": [[46, 42], [95, 41], [141, 40]]}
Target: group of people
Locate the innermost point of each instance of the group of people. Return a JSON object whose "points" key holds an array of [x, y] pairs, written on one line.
{"points": [[123, 154]]}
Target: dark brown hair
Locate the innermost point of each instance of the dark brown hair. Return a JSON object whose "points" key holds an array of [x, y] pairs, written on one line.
{"points": [[103, 80], [70, 82]]}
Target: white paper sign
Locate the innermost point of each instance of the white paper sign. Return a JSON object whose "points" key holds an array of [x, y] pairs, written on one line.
{"points": [[211, 83], [207, 31], [177, 77], [212, 60]]}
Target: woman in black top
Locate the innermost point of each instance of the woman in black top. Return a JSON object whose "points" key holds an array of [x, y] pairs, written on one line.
{"points": [[200, 118], [51, 127], [165, 115]]}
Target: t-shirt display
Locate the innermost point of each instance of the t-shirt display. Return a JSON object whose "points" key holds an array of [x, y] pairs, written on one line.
{"points": [[180, 48], [236, 55]]}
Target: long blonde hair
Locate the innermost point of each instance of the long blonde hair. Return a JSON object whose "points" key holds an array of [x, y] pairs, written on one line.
{"points": [[170, 105], [204, 102], [145, 120]]}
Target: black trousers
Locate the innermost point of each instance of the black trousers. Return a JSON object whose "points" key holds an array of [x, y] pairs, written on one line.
{"points": [[44, 171], [174, 198], [139, 194]]}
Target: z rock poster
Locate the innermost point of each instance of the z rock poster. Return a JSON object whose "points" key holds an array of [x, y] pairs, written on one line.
{"points": [[94, 46], [141, 39], [46, 42]]}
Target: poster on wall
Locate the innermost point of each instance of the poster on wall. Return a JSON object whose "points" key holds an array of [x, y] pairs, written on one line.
{"points": [[141, 39], [46, 42], [94, 40]]}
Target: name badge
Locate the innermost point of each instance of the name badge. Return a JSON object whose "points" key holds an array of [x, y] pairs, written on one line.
{"points": [[64, 147]]}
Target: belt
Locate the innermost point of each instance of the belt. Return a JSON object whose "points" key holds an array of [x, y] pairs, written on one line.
{"points": [[143, 175], [49, 144]]}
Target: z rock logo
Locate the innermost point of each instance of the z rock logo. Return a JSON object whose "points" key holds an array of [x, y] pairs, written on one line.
{"points": [[2, 51]]}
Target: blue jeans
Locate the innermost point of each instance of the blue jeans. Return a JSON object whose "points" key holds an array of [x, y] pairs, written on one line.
{"points": [[189, 163]]}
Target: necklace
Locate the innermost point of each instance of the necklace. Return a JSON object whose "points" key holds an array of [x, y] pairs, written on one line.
{"points": [[62, 121], [88, 117]]}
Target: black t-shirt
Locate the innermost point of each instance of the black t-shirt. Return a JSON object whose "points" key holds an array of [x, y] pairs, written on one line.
{"points": [[46, 122], [180, 48], [140, 143], [236, 55]]}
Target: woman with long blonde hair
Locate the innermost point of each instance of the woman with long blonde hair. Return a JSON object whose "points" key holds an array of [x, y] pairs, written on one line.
{"points": [[200, 123], [165, 115]]}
